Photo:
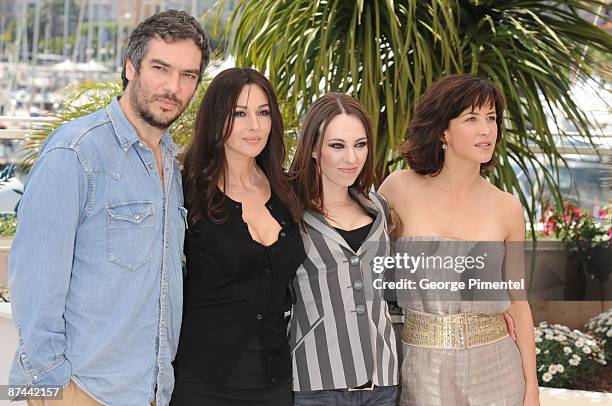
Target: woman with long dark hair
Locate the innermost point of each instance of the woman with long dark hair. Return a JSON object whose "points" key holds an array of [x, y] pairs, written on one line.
{"points": [[457, 348], [342, 340], [242, 249]]}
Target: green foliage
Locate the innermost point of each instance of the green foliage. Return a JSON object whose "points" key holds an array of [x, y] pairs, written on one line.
{"points": [[386, 53], [8, 225]]}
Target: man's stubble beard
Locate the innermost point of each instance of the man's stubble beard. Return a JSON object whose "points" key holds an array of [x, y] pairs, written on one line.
{"points": [[139, 104]]}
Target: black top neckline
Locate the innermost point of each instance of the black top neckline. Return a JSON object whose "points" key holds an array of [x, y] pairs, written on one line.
{"points": [[238, 204], [369, 225]]}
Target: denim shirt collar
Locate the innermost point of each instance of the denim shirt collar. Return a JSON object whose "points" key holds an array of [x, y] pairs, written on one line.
{"points": [[125, 132]]}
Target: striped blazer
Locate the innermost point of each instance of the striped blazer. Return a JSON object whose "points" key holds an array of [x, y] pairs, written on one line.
{"points": [[341, 334]]}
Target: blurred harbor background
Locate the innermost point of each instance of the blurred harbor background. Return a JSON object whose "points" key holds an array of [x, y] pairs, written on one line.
{"points": [[47, 45]]}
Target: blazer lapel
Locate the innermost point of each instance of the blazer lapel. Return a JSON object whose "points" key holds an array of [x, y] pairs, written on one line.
{"points": [[317, 221]]}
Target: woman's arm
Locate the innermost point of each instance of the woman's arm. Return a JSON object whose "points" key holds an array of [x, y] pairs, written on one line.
{"points": [[520, 309], [394, 223]]}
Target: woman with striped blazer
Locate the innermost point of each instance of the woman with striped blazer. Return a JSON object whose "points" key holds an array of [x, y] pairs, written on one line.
{"points": [[342, 341]]}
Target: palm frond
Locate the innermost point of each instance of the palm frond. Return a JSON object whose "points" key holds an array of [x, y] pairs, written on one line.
{"points": [[386, 53]]}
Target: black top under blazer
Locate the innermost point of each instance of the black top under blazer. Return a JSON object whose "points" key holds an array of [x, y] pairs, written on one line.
{"points": [[237, 289]]}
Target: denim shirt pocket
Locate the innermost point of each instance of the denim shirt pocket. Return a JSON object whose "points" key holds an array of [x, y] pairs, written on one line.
{"points": [[130, 233]]}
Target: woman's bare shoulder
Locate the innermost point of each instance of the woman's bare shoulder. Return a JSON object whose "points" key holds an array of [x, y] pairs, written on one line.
{"points": [[398, 181], [509, 208]]}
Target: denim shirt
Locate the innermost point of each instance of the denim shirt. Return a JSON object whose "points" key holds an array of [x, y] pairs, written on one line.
{"points": [[95, 267]]}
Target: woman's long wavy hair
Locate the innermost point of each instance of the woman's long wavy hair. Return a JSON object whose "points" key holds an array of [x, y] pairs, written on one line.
{"points": [[205, 164]]}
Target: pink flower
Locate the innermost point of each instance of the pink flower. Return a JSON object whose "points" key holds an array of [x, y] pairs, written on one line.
{"points": [[603, 213]]}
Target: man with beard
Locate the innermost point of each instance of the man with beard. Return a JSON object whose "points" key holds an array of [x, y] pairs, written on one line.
{"points": [[95, 267]]}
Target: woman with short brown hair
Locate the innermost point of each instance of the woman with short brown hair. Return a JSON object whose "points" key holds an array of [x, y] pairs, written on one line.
{"points": [[457, 350]]}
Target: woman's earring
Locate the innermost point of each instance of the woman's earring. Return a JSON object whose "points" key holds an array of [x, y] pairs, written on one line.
{"points": [[444, 146]]}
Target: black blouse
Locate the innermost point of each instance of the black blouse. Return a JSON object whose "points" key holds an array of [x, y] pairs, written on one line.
{"points": [[354, 238], [236, 292]]}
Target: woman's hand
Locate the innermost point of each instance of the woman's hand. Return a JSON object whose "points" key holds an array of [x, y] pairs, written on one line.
{"points": [[510, 325]]}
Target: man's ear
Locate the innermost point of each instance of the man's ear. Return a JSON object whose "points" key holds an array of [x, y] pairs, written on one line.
{"points": [[129, 70]]}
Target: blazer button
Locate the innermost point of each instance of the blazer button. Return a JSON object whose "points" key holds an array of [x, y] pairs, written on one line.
{"points": [[358, 285], [267, 271], [361, 309], [354, 260], [283, 234], [259, 316]]}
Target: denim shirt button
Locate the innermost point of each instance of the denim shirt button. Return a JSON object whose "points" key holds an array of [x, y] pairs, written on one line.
{"points": [[23, 355], [34, 377], [151, 166]]}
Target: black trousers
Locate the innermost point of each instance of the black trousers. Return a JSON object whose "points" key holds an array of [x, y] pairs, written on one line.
{"points": [[246, 386]]}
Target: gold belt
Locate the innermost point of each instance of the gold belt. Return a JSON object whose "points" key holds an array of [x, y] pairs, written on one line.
{"points": [[452, 331]]}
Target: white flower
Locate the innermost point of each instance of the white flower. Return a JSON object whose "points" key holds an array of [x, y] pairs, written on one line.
{"points": [[574, 362], [609, 333], [552, 369], [567, 350], [579, 342], [548, 336], [586, 349], [576, 357], [547, 377], [538, 340], [538, 351], [560, 368]]}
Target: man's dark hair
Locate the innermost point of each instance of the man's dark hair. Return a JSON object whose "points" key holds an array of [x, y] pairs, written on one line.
{"points": [[170, 25]]}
